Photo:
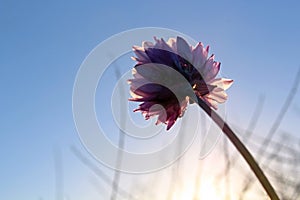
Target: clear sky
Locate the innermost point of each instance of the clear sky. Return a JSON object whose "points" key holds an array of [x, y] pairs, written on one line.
{"points": [[43, 43]]}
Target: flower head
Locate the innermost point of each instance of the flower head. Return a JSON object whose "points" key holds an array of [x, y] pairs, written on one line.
{"points": [[191, 62]]}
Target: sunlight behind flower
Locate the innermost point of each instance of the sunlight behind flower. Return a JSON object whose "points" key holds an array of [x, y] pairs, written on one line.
{"points": [[206, 191], [186, 194]]}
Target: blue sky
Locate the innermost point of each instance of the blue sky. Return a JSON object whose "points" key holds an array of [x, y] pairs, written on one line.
{"points": [[42, 45]]}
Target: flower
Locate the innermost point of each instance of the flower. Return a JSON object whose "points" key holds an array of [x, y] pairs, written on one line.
{"points": [[191, 62]]}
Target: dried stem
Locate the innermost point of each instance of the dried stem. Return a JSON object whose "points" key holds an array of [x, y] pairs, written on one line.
{"points": [[99, 173], [241, 148], [268, 139], [121, 144], [59, 173]]}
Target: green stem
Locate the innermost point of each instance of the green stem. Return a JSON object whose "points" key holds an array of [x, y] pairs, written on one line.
{"points": [[241, 148]]}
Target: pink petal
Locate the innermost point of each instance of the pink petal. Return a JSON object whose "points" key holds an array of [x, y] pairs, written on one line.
{"points": [[223, 83], [141, 55], [218, 95], [147, 44], [213, 71], [136, 74], [134, 96], [199, 55], [172, 43], [208, 66], [149, 72], [162, 117], [183, 106], [161, 44], [212, 103], [137, 82], [171, 121]]}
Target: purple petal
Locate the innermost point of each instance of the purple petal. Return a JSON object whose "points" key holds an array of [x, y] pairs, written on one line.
{"points": [[183, 49]]}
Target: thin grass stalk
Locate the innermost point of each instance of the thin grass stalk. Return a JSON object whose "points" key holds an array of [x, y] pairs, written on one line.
{"points": [[241, 148]]}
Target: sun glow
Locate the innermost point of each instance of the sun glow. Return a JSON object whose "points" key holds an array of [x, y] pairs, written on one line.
{"points": [[206, 191]]}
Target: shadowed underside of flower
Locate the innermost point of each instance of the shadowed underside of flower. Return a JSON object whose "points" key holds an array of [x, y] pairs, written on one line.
{"points": [[193, 63]]}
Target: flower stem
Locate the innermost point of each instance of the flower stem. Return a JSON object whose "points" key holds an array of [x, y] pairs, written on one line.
{"points": [[241, 148]]}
